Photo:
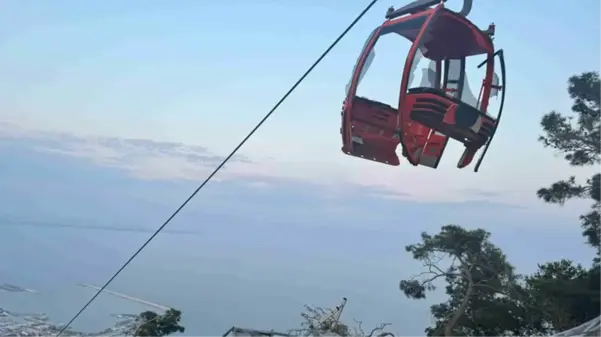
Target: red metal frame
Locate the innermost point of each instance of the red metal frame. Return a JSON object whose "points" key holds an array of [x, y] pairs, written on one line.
{"points": [[352, 92], [483, 44], [402, 122]]}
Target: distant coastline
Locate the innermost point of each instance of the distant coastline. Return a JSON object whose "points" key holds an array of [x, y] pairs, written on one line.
{"points": [[38, 324], [21, 324], [15, 289], [127, 297]]}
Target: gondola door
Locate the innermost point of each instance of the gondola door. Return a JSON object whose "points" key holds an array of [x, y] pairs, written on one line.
{"points": [[368, 127], [496, 87]]}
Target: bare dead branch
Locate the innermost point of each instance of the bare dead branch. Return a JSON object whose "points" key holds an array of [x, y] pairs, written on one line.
{"points": [[358, 328], [385, 334], [379, 329], [314, 323]]}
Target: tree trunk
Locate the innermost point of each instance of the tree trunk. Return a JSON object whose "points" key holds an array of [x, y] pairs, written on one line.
{"points": [[448, 329]]}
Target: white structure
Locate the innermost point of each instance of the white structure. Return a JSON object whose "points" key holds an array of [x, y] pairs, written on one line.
{"points": [[332, 318], [236, 331], [590, 328]]}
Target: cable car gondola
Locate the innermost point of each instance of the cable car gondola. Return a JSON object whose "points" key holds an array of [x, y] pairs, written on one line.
{"points": [[428, 115]]}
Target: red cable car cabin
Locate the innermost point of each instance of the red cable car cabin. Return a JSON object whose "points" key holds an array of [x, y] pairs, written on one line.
{"points": [[426, 116]]}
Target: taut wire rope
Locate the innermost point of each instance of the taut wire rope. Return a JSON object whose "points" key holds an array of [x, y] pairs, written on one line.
{"points": [[220, 166]]}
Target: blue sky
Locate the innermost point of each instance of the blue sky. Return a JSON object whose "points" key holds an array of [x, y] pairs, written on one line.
{"points": [[121, 106], [203, 73]]}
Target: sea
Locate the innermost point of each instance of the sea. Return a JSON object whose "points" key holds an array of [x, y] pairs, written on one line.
{"points": [[218, 278], [234, 257]]}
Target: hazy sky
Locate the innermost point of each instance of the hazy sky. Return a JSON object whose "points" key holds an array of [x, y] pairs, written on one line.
{"points": [[203, 72], [111, 82]]}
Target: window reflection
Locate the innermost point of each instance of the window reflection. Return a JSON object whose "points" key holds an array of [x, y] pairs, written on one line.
{"points": [[423, 70]]}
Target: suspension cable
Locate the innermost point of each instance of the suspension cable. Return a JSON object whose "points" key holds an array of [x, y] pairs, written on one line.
{"points": [[220, 166]]}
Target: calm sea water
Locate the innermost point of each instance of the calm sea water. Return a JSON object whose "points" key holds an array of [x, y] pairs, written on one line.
{"points": [[218, 279], [232, 270]]}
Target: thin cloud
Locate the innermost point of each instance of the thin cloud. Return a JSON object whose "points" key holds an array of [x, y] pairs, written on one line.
{"points": [[143, 158], [476, 192], [171, 161]]}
